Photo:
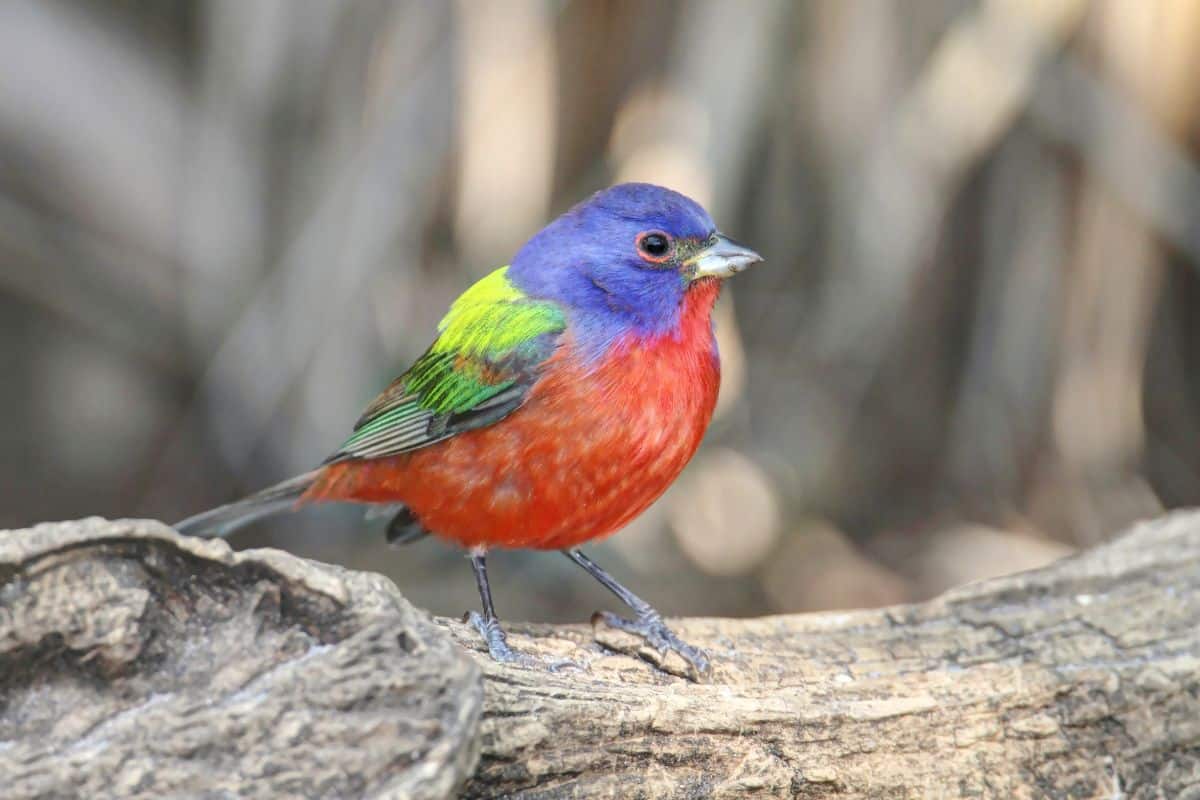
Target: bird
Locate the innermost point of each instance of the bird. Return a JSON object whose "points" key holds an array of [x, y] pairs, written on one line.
{"points": [[562, 395]]}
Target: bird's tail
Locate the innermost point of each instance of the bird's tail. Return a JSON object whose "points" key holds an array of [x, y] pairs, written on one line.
{"points": [[224, 520]]}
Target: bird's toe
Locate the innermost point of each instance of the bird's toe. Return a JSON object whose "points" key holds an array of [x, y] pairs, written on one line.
{"points": [[654, 632]]}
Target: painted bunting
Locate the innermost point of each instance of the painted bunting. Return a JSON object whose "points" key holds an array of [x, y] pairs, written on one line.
{"points": [[562, 396]]}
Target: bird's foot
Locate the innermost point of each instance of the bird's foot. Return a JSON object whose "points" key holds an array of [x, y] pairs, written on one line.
{"points": [[651, 628], [498, 649], [496, 641]]}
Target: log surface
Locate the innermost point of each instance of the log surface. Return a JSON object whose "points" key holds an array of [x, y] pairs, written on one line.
{"points": [[138, 663], [134, 662], [1080, 680]]}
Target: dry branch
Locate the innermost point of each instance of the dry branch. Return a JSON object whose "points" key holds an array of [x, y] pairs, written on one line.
{"points": [[134, 661]]}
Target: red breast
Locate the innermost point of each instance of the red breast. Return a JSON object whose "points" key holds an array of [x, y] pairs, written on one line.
{"points": [[591, 448]]}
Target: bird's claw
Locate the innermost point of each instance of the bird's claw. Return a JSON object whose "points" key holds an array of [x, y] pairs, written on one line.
{"points": [[498, 649], [651, 628], [496, 641]]}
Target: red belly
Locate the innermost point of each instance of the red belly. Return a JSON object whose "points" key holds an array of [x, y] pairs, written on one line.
{"points": [[588, 452]]}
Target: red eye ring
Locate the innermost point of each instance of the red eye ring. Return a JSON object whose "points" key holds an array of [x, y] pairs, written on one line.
{"points": [[654, 246]]}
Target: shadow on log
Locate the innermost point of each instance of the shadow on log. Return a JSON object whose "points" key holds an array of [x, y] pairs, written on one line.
{"points": [[135, 662]]}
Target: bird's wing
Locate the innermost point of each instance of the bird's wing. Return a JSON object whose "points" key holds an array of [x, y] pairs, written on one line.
{"points": [[489, 352]]}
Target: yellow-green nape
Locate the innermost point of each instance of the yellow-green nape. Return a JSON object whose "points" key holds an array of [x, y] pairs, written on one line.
{"points": [[491, 333], [493, 317]]}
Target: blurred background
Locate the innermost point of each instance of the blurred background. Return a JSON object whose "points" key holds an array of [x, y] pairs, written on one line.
{"points": [[225, 225]]}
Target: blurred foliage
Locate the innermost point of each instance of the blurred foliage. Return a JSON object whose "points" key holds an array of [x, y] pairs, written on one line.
{"points": [[225, 225]]}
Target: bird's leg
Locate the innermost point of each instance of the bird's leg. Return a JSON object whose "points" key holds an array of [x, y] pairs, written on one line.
{"points": [[489, 628], [488, 625], [647, 623]]}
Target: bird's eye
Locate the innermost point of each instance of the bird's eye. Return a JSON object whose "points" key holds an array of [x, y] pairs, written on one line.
{"points": [[654, 246]]}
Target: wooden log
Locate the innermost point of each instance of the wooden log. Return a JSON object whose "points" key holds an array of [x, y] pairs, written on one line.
{"points": [[138, 663], [134, 662], [1080, 680]]}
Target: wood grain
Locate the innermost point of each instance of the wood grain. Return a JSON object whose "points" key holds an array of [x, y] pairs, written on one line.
{"points": [[137, 663]]}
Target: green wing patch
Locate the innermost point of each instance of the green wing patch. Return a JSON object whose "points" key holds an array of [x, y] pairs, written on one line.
{"points": [[487, 354]]}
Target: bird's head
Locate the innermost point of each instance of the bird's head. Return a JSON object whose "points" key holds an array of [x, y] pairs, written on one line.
{"points": [[626, 259]]}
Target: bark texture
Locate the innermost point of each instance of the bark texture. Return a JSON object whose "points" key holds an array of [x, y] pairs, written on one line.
{"points": [[1081, 680], [134, 662], [138, 663]]}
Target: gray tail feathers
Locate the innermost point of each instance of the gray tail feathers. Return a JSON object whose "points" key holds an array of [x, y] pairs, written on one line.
{"points": [[224, 520]]}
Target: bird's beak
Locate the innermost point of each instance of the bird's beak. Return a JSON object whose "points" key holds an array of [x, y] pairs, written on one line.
{"points": [[720, 259]]}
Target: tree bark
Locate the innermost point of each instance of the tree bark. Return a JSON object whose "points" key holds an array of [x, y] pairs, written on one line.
{"points": [[136, 662]]}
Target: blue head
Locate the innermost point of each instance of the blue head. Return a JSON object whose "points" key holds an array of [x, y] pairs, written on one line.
{"points": [[623, 261]]}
